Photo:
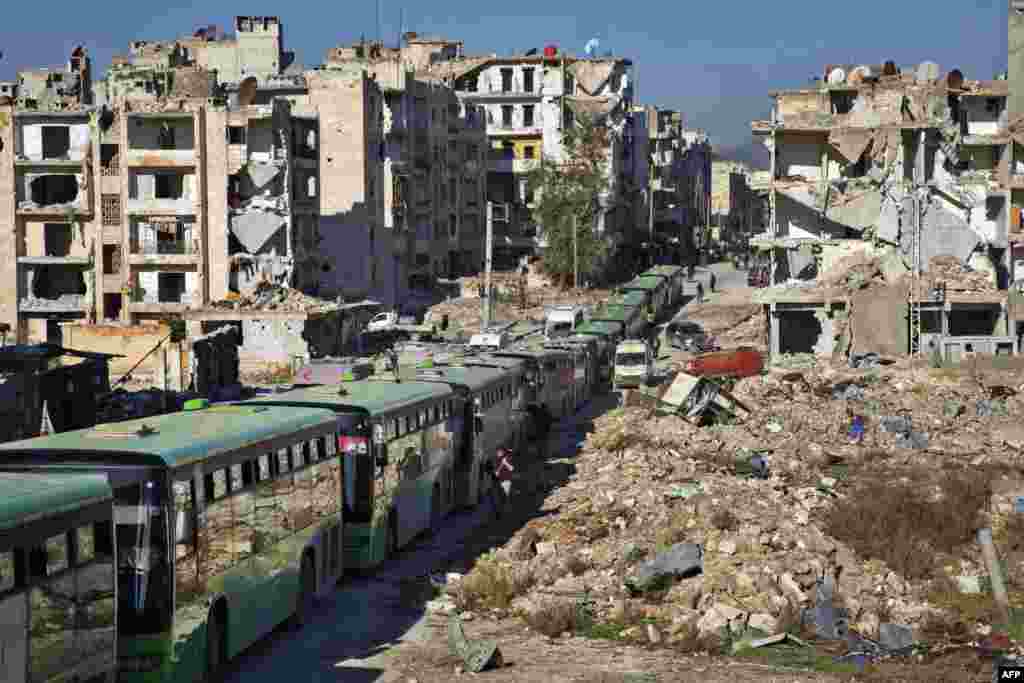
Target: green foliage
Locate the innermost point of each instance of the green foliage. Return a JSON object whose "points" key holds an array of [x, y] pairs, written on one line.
{"points": [[567, 200]]}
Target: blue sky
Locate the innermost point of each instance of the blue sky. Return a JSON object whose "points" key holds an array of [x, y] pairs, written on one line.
{"points": [[716, 61]]}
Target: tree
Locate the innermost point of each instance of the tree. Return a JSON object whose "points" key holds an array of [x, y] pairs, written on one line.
{"points": [[569, 187]]}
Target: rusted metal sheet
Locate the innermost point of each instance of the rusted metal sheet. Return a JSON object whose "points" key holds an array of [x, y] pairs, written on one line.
{"points": [[742, 362]]}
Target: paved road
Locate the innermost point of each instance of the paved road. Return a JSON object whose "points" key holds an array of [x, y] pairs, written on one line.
{"points": [[348, 638]]}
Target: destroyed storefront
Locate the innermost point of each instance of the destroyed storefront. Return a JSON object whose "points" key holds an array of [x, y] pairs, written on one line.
{"points": [[279, 327]]}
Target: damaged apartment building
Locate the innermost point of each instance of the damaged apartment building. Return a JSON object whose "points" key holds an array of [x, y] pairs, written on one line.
{"points": [[904, 166], [430, 153], [527, 101], [152, 207]]}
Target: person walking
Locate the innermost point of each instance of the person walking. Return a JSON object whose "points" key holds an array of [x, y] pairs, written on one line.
{"points": [[501, 489]]}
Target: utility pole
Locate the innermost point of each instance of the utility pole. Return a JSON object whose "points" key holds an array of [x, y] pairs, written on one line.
{"points": [[485, 319], [575, 254]]}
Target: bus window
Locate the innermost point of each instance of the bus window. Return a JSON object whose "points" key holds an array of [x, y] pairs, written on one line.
{"points": [[236, 478], [6, 570], [56, 554], [144, 574], [306, 454], [220, 484], [302, 503], [51, 621], [264, 468], [85, 544], [284, 463], [186, 577]]}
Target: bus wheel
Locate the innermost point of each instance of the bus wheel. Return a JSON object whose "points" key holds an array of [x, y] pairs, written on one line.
{"points": [[215, 650], [307, 591]]}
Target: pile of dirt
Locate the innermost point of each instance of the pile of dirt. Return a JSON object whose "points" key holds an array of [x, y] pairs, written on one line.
{"points": [[272, 297], [951, 272], [465, 313], [837, 443]]}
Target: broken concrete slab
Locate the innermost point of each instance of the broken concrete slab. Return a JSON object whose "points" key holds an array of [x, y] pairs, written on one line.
{"points": [[254, 229], [858, 209], [888, 226], [850, 143], [872, 321], [679, 561], [894, 637], [943, 234], [261, 173]]}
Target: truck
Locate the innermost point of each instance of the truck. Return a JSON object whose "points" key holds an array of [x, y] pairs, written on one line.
{"points": [[488, 341], [634, 364], [656, 288], [562, 320], [744, 361], [674, 276]]}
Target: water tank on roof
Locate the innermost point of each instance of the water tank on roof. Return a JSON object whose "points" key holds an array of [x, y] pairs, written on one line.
{"points": [[550, 50], [836, 76], [927, 71], [955, 80]]}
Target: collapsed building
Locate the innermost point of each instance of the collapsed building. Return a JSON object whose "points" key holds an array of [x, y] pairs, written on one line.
{"points": [[904, 169]]}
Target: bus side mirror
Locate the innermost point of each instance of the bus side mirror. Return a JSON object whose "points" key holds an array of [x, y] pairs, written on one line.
{"points": [[478, 424]]}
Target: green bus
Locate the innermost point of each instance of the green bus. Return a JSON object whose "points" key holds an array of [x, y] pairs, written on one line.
{"points": [[227, 522], [630, 317], [656, 288], [675, 276], [495, 396], [400, 438], [57, 579]]}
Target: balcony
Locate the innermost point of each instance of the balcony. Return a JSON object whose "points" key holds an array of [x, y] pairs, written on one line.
{"points": [[506, 165], [54, 284], [161, 158], [513, 129]]}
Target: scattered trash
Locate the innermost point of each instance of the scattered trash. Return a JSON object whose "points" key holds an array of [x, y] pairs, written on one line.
{"points": [[906, 437], [828, 621], [755, 466], [773, 427], [679, 561], [991, 408], [953, 409], [865, 361], [848, 391], [856, 432], [477, 655], [969, 585], [895, 638], [686, 490]]}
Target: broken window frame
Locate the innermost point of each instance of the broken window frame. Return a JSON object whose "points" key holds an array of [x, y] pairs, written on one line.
{"points": [[237, 135], [528, 115]]}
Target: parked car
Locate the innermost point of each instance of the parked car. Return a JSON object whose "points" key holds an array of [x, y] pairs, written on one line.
{"points": [[687, 335]]}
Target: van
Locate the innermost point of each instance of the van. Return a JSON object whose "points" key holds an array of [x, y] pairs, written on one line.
{"points": [[562, 321]]}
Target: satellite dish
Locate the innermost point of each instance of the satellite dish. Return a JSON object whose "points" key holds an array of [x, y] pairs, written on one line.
{"points": [[592, 46], [247, 92]]}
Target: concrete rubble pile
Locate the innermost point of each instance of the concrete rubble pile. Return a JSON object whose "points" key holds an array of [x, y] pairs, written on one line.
{"points": [[949, 271], [465, 313], [271, 297], [741, 324], [723, 526]]}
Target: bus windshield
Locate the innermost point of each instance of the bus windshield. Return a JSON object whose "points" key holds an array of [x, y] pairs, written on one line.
{"points": [[143, 569], [630, 359]]}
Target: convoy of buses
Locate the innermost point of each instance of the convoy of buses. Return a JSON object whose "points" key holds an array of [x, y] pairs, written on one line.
{"points": [[157, 549]]}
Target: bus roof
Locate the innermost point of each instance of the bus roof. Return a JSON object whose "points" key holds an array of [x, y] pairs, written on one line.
{"points": [[630, 298], [28, 497], [663, 271], [179, 438], [643, 283], [473, 377], [614, 312], [606, 328], [370, 396]]}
